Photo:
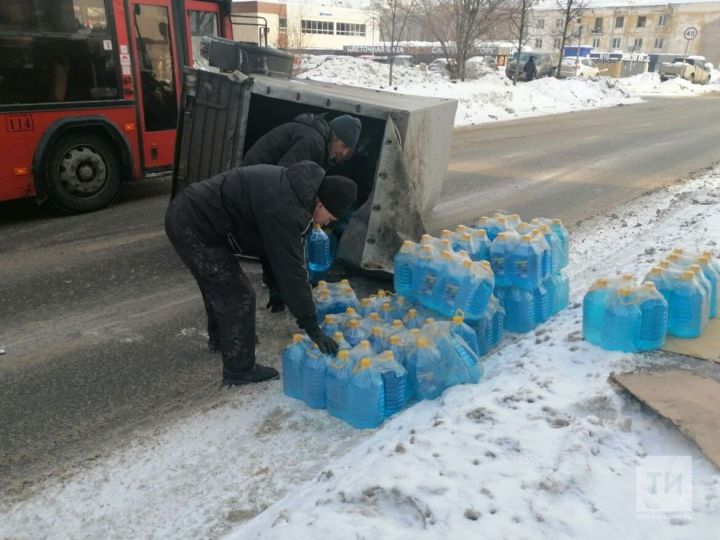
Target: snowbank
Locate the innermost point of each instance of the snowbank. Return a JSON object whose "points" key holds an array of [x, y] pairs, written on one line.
{"points": [[543, 447], [489, 98], [647, 84], [492, 97]]}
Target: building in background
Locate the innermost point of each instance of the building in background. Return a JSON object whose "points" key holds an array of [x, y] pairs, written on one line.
{"points": [[302, 26], [642, 26]]}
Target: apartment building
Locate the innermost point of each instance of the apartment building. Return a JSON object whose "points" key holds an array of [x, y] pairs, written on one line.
{"points": [[302, 26], [633, 26]]}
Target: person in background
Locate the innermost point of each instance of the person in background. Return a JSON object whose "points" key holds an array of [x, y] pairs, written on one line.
{"points": [[530, 69], [307, 137], [266, 209]]}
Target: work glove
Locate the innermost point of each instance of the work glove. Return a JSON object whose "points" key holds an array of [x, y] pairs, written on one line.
{"points": [[325, 343], [276, 303]]}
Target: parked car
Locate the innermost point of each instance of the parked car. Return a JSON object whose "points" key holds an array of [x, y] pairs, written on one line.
{"points": [[546, 64], [693, 68], [578, 67]]}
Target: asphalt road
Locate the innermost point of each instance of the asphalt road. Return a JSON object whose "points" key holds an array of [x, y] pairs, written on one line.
{"points": [[102, 327]]}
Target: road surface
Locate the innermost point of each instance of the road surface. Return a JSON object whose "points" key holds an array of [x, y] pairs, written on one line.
{"points": [[102, 327]]}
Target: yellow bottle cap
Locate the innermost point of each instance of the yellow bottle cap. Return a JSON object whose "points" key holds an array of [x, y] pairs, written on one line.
{"points": [[526, 238], [557, 221], [365, 302], [429, 320], [664, 265], [426, 250], [515, 217], [483, 220], [364, 344], [329, 318], [374, 316], [649, 286], [338, 336], [502, 236], [467, 263], [353, 323], [343, 355], [316, 225], [395, 340], [322, 284], [365, 363], [377, 331], [485, 265], [466, 237], [397, 323], [480, 232], [446, 255], [387, 356], [687, 275], [704, 259], [673, 257], [457, 319], [625, 291], [350, 311], [656, 271], [422, 342], [412, 312], [415, 331], [446, 234], [386, 307], [695, 268], [408, 244], [297, 338], [678, 251]]}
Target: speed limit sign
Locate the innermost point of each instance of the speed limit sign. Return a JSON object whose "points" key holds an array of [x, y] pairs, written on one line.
{"points": [[690, 33]]}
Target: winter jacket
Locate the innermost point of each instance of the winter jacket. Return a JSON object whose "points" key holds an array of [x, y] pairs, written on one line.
{"points": [[267, 209], [305, 138], [530, 70]]}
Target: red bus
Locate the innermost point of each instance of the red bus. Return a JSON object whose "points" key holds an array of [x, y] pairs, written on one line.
{"points": [[89, 92]]}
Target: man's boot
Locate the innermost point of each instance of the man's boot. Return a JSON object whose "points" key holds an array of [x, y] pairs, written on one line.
{"points": [[257, 374]]}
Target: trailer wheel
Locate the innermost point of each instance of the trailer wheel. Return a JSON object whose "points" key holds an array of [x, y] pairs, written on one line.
{"points": [[83, 172]]}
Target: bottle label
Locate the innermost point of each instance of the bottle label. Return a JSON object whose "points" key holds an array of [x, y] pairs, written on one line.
{"points": [[451, 292], [429, 281]]}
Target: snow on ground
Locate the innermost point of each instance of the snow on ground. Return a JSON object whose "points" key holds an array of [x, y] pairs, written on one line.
{"points": [[541, 447], [647, 84], [493, 96]]}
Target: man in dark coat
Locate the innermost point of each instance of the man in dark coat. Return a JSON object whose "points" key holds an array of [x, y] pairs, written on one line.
{"points": [[307, 137], [530, 69], [266, 209]]}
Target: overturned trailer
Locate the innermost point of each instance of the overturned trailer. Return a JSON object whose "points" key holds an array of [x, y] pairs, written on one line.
{"points": [[399, 163]]}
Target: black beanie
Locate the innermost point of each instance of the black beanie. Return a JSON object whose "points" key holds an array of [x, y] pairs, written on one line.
{"points": [[337, 194], [347, 129]]}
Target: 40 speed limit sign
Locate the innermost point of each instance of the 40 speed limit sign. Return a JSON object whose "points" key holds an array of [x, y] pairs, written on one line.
{"points": [[690, 33]]}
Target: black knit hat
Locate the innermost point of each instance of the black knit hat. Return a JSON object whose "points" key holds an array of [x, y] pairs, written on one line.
{"points": [[337, 194], [347, 128]]}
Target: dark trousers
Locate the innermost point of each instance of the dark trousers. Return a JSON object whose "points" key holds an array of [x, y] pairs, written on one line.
{"points": [[227, 293]]}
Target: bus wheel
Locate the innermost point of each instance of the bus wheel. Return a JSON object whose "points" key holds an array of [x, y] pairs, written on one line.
{"points": [[83, 173]]}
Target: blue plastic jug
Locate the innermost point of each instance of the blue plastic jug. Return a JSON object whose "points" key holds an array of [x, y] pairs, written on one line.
{"points": [[426, 380], [653, 318], [360, 351], [465, 332], [501, 260], [541, 301], [355, 332], [293, 359], [527, 264], [366, 396], [554, 248], [404, 266], [331, 323], [562, 234], [621, 323], [342, 343], [688, 306], [317, 250], [339, 371], [379, 339], [480, 283], [712, 274], [594, 310], [519, 310], [395, 383], [558, 287], [397, 347], [481, 243], [412, 319], [314, 372]]}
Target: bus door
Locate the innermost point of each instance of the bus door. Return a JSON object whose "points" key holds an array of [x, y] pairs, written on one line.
{"points": [[202, 19], [156, 70]]}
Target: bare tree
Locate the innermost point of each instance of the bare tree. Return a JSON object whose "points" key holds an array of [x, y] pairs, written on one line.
{"points": [[296, 39], [457, 25], [393, 17], [519, 21], [571, 10]]}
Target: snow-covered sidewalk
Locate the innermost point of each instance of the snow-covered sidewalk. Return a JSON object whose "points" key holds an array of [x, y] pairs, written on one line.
{"points": [[493, 97], [541, 447]]}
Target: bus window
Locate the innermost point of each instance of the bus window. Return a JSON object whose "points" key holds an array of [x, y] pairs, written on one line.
{"points": [[152, 31], [55, 51], [202, 23]]}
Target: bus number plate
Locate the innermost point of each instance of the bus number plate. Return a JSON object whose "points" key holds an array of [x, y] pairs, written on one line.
{"points": [[21, 122]]}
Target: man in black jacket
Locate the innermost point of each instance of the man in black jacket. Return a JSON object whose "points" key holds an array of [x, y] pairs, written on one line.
{"points": [[530, 69], [307, 137], [266, 209]]}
